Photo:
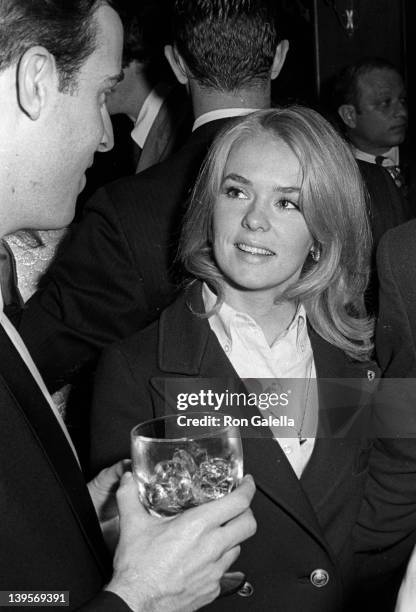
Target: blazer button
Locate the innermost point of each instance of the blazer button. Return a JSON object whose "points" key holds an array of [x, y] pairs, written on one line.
{"points": [[319, 578], [246, 590], [371, 375]]}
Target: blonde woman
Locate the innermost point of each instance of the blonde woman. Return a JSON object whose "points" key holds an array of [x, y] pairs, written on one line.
{"points": [[276, 243]]}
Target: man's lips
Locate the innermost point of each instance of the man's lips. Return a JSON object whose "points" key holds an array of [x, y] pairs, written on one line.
{"points": [[254, 250]]}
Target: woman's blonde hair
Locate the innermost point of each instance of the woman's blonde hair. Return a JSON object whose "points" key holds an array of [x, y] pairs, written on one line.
{"points": [[332, 201]]}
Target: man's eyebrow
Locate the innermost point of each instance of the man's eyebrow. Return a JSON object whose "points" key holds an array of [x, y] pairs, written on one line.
{"points": [[113, 80]]}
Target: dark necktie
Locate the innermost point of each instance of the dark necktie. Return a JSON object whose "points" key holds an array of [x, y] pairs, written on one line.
{"points": [[394, 171]]}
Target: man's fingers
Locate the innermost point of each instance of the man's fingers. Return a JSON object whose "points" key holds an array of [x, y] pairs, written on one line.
{"points": [[229, 558], [128, 500], [239, 529]]}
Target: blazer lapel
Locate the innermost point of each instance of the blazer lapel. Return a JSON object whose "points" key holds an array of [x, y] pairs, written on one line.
{"points": [[345, 390], [50, 437]]}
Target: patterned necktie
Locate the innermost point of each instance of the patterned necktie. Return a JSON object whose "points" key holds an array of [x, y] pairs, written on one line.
{"points": [[394, 171]]}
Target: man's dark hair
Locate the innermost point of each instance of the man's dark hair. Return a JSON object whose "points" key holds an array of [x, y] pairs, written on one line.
{"points": [[346, 89], [146, 31], [226, 44], [66, 29]]}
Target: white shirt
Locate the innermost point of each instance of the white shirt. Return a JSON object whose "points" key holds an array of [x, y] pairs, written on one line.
{"points": [[221, 113], [289, 357], [148, 113], [24, 354], [391, 156]]}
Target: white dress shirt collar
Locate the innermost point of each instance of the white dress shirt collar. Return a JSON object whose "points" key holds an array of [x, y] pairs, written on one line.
{"points": [[225, 317], [148, 112], [30, 364], [266, 368], [221, 113], [392, 157]]}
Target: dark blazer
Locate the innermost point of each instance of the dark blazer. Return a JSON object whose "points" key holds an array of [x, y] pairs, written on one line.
{"points": [[396, 329], [389, 518], [50, 538], [116, 273], [303, 525], [387, 208]]}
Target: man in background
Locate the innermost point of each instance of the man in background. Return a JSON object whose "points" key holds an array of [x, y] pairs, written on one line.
{"points": [[371, 102], [150, 112]]}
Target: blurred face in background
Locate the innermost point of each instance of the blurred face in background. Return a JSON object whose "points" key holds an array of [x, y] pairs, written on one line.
{"points": [[380, 120]]}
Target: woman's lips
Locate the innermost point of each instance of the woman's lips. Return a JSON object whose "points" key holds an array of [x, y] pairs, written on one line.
{"points": [[254, 250]]}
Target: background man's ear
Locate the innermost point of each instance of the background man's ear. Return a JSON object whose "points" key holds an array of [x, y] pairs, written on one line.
{"points": [[177, 63], [348, 114], [34, 73], [279, 57]]}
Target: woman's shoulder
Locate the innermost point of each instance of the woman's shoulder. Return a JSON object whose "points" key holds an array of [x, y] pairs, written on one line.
{"points": [[332, 362]]}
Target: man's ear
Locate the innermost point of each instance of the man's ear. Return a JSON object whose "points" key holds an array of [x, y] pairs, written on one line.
{"points": [[279, 58], [348, 114], [177, 63], [35, 72]]}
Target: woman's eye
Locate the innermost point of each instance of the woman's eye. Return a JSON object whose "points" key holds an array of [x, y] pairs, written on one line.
{"points": [[286, 204], [234, 192]]}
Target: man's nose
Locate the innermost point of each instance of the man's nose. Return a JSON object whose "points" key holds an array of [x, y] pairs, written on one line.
{"points": [[401, 108], [107, 138]]}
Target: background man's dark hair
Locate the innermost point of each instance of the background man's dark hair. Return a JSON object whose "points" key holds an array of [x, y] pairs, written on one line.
{"points": [[226, 44], [66, 29], [146, 25], [346, 84]]}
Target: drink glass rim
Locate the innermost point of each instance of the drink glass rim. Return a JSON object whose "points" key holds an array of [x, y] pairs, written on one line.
{"points": [[218, 429]]}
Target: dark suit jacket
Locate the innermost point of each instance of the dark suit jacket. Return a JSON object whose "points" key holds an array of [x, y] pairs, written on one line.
{"points": [[396, 329], [170, 129], [391, 510], [50, 538], [302, 524], [387, 208], [116, 272]]}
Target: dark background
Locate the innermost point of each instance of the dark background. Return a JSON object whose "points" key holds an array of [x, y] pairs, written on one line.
{"points": [[320, 44]]}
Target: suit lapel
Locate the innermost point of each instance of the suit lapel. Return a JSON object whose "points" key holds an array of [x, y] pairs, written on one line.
{"points": [[50, 437], [172, 124], [345, 388]]}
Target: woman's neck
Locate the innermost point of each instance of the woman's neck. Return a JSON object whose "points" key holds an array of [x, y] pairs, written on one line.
{"points": [[272, 316]]}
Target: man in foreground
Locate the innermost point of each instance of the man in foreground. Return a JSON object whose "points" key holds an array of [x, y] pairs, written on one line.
{"points": [[57, 65]]}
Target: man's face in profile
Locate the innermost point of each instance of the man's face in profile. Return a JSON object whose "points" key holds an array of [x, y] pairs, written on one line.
{"points": [[381, 115], [79, 124]]}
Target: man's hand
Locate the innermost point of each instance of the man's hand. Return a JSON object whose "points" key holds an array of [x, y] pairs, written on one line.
{"points": [[103, 490], [175, 565], [406, 601]]}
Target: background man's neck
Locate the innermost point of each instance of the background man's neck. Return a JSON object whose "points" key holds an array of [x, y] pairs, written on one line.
{"points": [[205, 100]]}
